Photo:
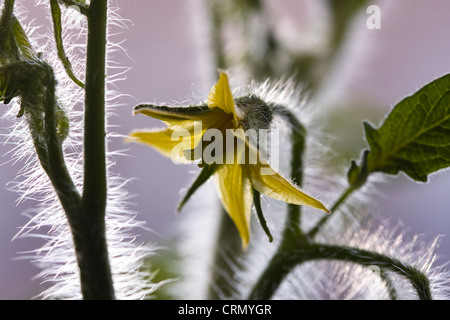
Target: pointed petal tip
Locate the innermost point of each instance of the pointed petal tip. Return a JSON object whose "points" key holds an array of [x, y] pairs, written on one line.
{"points": [[323, 208]]}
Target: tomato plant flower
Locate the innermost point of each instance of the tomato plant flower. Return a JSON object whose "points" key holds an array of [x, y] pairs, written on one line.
{"points": [[236, 180]]}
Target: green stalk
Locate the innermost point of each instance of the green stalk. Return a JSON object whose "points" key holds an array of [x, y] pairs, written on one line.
{"points": [[86, 214], [313, 232], [226, 253], [357, 176], [55, 164], [283, 262], [95, 270], [296, 247], [298, 134], [293, 235]]}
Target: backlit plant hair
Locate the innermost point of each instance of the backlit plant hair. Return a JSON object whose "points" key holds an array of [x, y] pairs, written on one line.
{"points": [[90, 250], [58, 91]]}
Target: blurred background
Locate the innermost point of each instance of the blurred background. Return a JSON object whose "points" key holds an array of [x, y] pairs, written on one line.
{"points": [[168, 47]]}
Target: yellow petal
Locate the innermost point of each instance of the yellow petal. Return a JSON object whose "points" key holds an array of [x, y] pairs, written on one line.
{"points": [[221, 97], [235, 191], [277, 187], [171, 143]]}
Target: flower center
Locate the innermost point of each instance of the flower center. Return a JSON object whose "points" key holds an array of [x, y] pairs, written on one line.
{"points": [[257, 114]]}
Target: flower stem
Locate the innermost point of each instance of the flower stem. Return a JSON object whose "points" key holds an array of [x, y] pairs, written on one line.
{"points": [[276, 269], [298, 134], [313, 232]]}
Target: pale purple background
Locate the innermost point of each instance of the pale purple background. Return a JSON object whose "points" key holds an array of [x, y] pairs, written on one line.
{"points": [[411, 49]]}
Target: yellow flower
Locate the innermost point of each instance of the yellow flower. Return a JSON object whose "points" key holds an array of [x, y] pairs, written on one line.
{"points": [[235, 180]]}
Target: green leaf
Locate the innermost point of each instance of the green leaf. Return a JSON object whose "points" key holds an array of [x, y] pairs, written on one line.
{"points": [[22, 41], [415, 137]]}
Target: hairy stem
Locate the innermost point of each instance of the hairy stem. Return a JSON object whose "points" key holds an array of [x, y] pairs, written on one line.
{"points": [[228, 249], [95, 270], [298, 134], [283, 263], [292, 232], [57, 170], [88, 229], [313, 232]]}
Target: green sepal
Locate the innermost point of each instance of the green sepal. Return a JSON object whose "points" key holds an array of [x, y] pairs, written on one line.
{"points": [[260, 214], [357, 174], [205, 173], [57, 29], [172, 113]]}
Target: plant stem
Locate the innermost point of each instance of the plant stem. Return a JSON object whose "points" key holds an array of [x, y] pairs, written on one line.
{"points": [[283, 262], [227, 251], [216, 38], [292, 235], [298, 147], [54, 162], [313, 232], [95, 270]]}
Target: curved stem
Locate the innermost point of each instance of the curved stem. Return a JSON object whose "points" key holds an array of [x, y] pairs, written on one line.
{"points": [[368, 258], [296, 247], [283, 263], [57, 170]]}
